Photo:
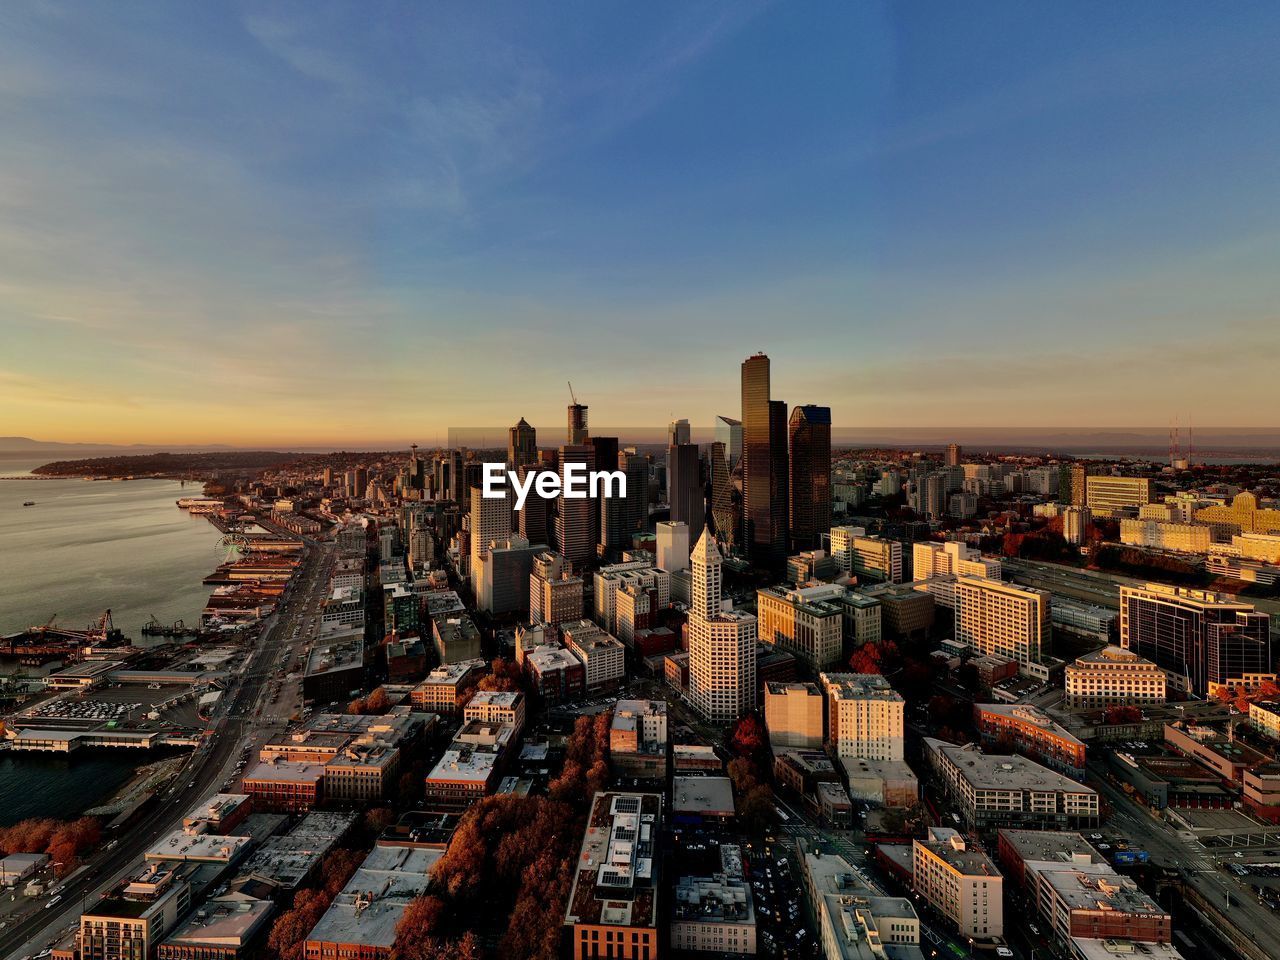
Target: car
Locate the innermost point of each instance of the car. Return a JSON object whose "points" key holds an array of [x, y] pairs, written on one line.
{"points": [[1104, 846], [53, 902], [1003, 952], [1238, 855], [1095, 836]]}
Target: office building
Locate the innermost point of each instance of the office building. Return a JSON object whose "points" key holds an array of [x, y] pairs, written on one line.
{"points": [[1109, 496], [533, 518], [639, 572], [726, 502], [722, 644], [804, 621], [603, 658], [613, 902], [990, 790], [809, 485], [866, 557], [555, 595], [442, 691], [522, 445], [1114, 676], [490, 523], [673, 545], [953, 455], [763, 469], [729, 432], [793, 715], [960, 883], [1005, 621], [502, 575], [576, 518], [678, 433], [1203, 641], [577, 432], [1243, 515], [684, 484], [1158, 535], [865, 716]]}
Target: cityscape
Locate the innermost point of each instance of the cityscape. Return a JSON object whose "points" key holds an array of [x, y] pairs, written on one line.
{"points": [[692, 481]]}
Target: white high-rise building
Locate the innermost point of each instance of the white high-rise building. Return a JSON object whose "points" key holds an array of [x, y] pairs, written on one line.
{"points": [[865, 716], [931, 559], [490, 522], [1004, 620], [673, 545], [863, 556], [722, 644]]}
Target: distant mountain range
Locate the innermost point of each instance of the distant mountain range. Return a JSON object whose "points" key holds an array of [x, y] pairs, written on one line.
{"points": [[28, 445]]}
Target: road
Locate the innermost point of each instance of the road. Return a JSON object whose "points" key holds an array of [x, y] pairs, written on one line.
{"points": [[1171, 848], [202, 775]]}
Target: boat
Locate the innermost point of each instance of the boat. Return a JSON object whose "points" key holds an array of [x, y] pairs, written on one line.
{"points": [[28, 503]]}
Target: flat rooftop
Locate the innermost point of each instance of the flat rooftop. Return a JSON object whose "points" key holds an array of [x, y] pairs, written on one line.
{"points": [[712, 796], [394, 876], [996, 771]]}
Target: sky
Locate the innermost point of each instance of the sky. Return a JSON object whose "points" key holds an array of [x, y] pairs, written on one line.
{"points": [[341, 223]]}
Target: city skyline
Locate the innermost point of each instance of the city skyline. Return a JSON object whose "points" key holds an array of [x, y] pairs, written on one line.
{"points": [[212, 218]]}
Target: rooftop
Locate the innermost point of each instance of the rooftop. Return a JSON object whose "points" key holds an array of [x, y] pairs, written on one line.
{"points": [[615, 877], [859, 686], [702, 795], [950, 847], [1002, 771], [369, 907], [222, 923]]}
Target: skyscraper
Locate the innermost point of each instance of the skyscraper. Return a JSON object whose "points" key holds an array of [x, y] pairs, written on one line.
{"points": [[684, 481], [779, 479], [490, 522], [810, 481], [722, 645], [576, 519], [522, 445], [577, 423], [953, 454], [729, 432], [605, 509], [726, 506], [763, 489], [677, 432]]}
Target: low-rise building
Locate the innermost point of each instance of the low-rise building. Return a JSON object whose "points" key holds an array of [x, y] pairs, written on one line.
{"points": [[854, 922], [361, 921], [638, 739], [702, 799], [456, 638], [497, 706], [715, 914], [1114, 676], [604, 659], [444, 688], [1006, 790], [463, 775], [285, 786], [1023, 728], [613, 902], [220, 930]]}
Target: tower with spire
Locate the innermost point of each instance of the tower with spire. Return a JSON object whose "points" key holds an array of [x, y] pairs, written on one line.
{"points": [[722, 643]]}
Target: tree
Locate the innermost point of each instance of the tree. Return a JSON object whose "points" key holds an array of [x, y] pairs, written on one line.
{"points": [[378, 702], [289, 932], [875, 657], [337, 869], [748, 736], [1121, 714]]}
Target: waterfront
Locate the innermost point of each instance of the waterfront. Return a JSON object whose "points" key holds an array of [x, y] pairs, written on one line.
{"points": [[86, 546], [91, 545]]}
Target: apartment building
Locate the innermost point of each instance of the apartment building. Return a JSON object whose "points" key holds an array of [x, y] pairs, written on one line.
{"points": [[1005, 621], [864, 716], [960, 883]]}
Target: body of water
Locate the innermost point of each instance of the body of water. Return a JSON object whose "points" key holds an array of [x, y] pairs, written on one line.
{"points": [[86, 546], [92, 545]]}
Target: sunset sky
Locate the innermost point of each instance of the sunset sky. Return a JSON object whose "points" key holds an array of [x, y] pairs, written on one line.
{"points": [[263, 224]]}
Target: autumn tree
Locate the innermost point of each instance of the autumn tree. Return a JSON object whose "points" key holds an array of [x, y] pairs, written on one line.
{"points": [[289, 932], [748, 736]]}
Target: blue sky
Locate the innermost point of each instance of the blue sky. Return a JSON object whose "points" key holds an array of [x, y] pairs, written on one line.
{"points": [[263, 223]]}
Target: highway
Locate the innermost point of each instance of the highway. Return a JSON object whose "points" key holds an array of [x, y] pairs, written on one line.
{"points": [[202, 775]]}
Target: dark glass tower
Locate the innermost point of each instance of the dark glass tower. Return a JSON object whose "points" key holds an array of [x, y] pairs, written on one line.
{"points": [[810, 482], [764, 470]]}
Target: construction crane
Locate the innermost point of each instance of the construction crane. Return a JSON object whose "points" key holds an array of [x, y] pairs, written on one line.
{"points": [[572, 396]]}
